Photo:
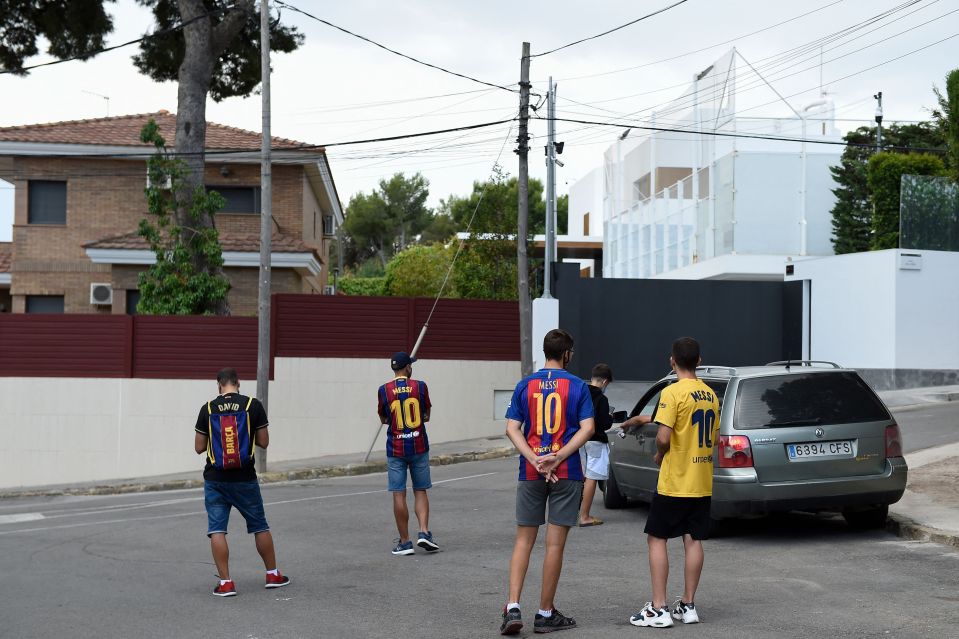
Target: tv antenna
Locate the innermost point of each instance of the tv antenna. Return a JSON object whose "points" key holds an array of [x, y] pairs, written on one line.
{"points": [[99, 95]]}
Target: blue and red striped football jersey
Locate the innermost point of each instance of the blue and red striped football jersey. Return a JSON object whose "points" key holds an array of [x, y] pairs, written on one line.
{"points": [[550, 404], [404, 403]]}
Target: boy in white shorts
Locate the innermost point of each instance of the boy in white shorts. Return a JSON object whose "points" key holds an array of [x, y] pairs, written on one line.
{"points": [[596, 459]]}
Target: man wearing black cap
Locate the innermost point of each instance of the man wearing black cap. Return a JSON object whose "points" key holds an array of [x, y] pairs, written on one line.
{"points": [[404, 406]]}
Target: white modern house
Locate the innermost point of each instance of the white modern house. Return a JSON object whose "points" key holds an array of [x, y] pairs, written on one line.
{"points": [[704, 192]]}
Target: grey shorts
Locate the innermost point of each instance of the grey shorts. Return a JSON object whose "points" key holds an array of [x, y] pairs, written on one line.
{"points": [[564, 498]]}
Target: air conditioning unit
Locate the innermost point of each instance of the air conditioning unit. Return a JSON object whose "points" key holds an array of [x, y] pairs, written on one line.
{"points": [[167, 183], [101, 294], [329, 290]]}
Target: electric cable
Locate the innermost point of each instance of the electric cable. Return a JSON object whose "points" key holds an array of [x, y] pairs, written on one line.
{"points": [[613, 30], [789, 55], [712, 46], [87, 56], [394, 51], [684, 102]]}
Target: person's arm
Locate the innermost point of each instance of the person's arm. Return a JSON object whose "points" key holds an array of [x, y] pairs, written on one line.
{"points": [[262, 437], [514, 430], [260, 423], [548, 463], [199, 443], [199, 431], [381, 408], [663, 437], [426, 404], [666, 414], [633, 422], [604, 420]]}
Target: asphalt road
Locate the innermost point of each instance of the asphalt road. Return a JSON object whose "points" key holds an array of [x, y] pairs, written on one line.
{"points": [[139, 566]]}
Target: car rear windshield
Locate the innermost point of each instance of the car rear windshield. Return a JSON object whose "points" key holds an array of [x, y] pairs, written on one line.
{"points": [[813, 398]]}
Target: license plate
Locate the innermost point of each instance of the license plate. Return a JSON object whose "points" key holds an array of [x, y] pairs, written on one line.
{"points": [[820, 450]]}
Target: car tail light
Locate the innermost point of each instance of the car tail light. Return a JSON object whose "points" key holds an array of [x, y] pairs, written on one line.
{"points": [[735, 452], [893, 441]]}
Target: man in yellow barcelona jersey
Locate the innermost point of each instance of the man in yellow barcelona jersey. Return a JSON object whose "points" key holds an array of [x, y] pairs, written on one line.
{"points": [[688, 418]]}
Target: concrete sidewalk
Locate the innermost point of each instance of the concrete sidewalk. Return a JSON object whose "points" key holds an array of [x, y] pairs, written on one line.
{"points": [[328, 466]]}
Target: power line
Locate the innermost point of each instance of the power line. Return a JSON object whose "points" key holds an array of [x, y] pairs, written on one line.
{"points": [[86, 56], [749, 136], [712, 46], [283, 150], [393, 51], [614, 29], [686, 101], [777, 59], [381, 103], [793, 55]]}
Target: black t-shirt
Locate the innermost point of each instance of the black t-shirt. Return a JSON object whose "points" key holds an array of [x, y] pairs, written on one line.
{"points": [[600, 414], [257, 421]]}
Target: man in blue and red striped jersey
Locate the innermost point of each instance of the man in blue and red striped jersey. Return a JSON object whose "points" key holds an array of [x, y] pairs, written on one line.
{"points": [[404, 406], [548, 420]]}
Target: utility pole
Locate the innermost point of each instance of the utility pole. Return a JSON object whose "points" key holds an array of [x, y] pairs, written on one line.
{"points": [[550, 256], [878, 98], [266, 228], [522, 226]]}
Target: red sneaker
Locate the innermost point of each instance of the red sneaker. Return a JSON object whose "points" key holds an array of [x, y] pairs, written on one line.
{"points": [[225, 590], [277, 580]]}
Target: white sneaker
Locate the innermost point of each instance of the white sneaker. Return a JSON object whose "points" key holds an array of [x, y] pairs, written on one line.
{"points": [[652, 617], [685, 612]]}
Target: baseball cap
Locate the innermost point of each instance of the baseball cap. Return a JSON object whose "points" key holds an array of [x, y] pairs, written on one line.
{"points": [[401, 360]]}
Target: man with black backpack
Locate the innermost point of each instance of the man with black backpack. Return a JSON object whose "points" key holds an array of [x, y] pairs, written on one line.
{"points": [[226, 431]]}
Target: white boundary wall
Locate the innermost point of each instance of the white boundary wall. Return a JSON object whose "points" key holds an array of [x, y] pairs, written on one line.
{"points": [[886, 310], [67, 430]]}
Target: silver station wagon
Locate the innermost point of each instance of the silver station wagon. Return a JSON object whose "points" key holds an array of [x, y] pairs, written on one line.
{"points": [[807, 436]]}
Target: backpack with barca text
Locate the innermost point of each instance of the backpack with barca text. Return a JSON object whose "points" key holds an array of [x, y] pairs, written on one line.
{"points": [[230, 439]]}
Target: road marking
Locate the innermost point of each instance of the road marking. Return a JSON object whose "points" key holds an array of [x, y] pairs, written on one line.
{"points": [[20, 517], [197, 513]]}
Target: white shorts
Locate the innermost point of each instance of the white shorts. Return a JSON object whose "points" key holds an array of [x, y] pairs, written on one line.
{"points": [[596, 465]]}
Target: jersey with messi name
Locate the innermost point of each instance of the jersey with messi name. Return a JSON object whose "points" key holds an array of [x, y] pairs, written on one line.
{"points": [[690, 408], [403, 404], [550, 404]]}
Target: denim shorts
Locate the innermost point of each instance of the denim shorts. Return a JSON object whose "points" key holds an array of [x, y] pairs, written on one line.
{"points": [[419, 469], [245, 496]]}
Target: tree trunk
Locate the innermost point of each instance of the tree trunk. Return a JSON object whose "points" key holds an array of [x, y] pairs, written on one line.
{"points": [[203, 45]]}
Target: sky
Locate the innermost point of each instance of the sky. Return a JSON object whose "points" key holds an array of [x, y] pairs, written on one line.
{"points": [[337, 88]]}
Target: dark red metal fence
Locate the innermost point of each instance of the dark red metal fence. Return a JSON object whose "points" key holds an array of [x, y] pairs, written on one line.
{"points": [[302, 326]]}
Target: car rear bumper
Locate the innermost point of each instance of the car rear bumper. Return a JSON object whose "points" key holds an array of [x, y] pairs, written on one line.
{"points": [[738, 492]]}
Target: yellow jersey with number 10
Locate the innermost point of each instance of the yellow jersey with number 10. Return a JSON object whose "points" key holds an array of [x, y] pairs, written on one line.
{"points": [[690, 408]]}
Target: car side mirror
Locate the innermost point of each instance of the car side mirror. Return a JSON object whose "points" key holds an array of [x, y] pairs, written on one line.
{"points": [[619, 417]]}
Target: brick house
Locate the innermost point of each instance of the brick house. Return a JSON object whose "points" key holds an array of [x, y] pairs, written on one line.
{"points": [[79, 196]]}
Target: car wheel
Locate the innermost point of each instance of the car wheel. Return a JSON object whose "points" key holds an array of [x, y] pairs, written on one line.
{"points": [[612, 497], [867, 519]]}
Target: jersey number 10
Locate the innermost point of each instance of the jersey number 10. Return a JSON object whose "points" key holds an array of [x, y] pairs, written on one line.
{"points": [[705, 420], [410, 416], [549, 413]]}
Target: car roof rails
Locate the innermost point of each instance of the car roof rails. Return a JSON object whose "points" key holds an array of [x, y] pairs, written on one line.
{"points": [[728, 370], [803, 362]]}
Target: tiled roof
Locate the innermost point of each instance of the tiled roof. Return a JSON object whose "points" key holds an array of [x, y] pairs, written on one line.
{"points": [[242, 243], [6, 256], [124, 130]]}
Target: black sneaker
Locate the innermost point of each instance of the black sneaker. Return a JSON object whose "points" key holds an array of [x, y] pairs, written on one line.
{"points": [[512, 622], [556, 621]]}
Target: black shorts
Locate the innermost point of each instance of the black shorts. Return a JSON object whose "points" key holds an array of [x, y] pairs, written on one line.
{"points": [[677, 516]]}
